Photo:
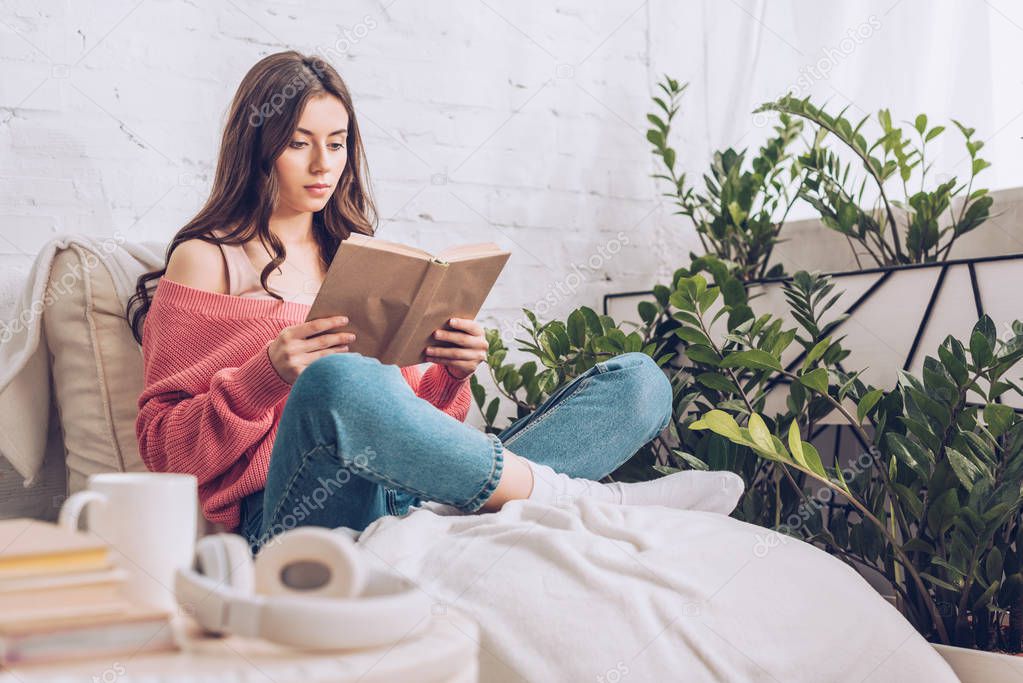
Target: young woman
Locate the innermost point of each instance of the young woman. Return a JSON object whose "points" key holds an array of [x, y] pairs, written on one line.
{"points": [[283, 426]]}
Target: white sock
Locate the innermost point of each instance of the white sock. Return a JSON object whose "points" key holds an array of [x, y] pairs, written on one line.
{"points": [[687, 490]]}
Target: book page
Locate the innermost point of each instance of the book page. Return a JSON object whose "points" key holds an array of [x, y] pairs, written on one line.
{"points": [[385, 245], [469, 251]]}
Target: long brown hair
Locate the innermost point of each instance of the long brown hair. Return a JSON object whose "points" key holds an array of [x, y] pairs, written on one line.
{"points": [[263, 117]]}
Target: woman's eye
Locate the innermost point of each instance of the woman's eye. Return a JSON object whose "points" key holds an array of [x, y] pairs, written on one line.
{"points": [[298, 144]]}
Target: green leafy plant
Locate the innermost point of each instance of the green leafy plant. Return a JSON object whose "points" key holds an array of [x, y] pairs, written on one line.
{"points": [[897, 157], [937, 511], [733, 364], [740, 212], [935, 502], [563, 351]]}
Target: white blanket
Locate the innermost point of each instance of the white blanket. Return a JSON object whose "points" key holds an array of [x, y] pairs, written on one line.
{"points": [[591, 591], [24, 366]]}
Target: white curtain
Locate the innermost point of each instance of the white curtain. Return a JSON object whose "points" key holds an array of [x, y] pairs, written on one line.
{"points": [[950, 59]]}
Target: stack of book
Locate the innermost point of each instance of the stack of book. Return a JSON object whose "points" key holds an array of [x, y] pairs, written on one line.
{"points": [[61, 598]]}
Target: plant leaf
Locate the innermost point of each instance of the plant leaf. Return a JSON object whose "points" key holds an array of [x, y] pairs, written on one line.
{"points": [[719, 422], [759, 432], [866, 403], [816, 380], [796, 444], [754, 359]]}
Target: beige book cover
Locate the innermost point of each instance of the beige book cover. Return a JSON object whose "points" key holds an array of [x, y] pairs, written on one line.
{"points": [[395, 295], [43, 620], [78, 588]]}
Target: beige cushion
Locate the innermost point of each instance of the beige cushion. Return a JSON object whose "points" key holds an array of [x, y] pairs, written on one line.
{"points": [[96, 369]]}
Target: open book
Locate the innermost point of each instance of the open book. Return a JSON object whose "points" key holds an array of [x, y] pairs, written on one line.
{"points": [[395, 295]]}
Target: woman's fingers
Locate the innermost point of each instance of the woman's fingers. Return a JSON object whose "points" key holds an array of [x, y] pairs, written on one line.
{"points": [[470, 326], [459, 338], [326, 341], [329, 352], [456, 353], [308, 329]]}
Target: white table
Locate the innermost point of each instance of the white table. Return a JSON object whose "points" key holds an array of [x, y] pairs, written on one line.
{"points": [[445, 652]]}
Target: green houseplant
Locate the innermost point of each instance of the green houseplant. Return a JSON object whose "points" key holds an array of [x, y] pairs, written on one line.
{"points": [[841, 190], [937, 509], [741, 209], [933, 503]]}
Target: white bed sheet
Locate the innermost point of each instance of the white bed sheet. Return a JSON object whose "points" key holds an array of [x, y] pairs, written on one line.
{"points": [[590, 591]]}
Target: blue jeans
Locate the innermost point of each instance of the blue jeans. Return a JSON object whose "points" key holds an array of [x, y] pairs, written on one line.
{"points": [[355, 443]]}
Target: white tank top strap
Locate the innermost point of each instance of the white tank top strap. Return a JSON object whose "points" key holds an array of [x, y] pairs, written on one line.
{"points": [[243, 278]]}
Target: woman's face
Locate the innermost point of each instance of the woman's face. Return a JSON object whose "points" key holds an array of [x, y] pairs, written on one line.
{"points": [[315, 155]]}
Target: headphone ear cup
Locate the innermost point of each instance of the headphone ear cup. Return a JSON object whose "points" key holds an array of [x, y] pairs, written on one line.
{"points": [[310, 562], [226, 559]]}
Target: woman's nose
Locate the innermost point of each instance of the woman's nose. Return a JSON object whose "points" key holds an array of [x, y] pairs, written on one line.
{"points": [[318, 163]]}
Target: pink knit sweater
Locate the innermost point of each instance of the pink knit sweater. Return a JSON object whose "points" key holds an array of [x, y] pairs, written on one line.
{"points": [[212, 400]]}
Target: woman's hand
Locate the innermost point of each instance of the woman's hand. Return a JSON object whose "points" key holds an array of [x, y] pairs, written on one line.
{"points": [[295, 348], [472, 347]]}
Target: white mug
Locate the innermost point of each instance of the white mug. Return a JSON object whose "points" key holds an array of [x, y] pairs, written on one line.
{"points": [[149, 520]]}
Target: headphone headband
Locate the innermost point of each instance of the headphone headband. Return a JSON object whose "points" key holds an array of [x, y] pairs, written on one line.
{"points": [[349, 610]]}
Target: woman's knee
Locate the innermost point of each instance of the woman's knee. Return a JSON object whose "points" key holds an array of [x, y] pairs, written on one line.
{"points": [[343, 388], [325, 380], [326, 370], [643, 385]]}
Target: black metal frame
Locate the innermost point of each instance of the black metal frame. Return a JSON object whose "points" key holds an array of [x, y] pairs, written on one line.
{"points": [[886, 272], [944, 265]]}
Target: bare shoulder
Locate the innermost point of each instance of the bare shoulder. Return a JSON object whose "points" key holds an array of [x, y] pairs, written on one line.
{"points": [[199, 264]]}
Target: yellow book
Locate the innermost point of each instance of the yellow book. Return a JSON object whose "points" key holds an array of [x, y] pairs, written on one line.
{"points": [[30, 547]]}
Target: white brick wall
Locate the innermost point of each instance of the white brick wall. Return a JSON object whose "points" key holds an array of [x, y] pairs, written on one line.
{"points": [[521, 123]]}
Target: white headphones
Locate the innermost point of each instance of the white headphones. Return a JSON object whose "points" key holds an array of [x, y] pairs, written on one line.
{"points": [[307, 588]]}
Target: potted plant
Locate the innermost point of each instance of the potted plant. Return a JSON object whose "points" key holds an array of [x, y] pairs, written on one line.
{"points": [[894, 512], [840, 191], [933, 506], [910, 294]]}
